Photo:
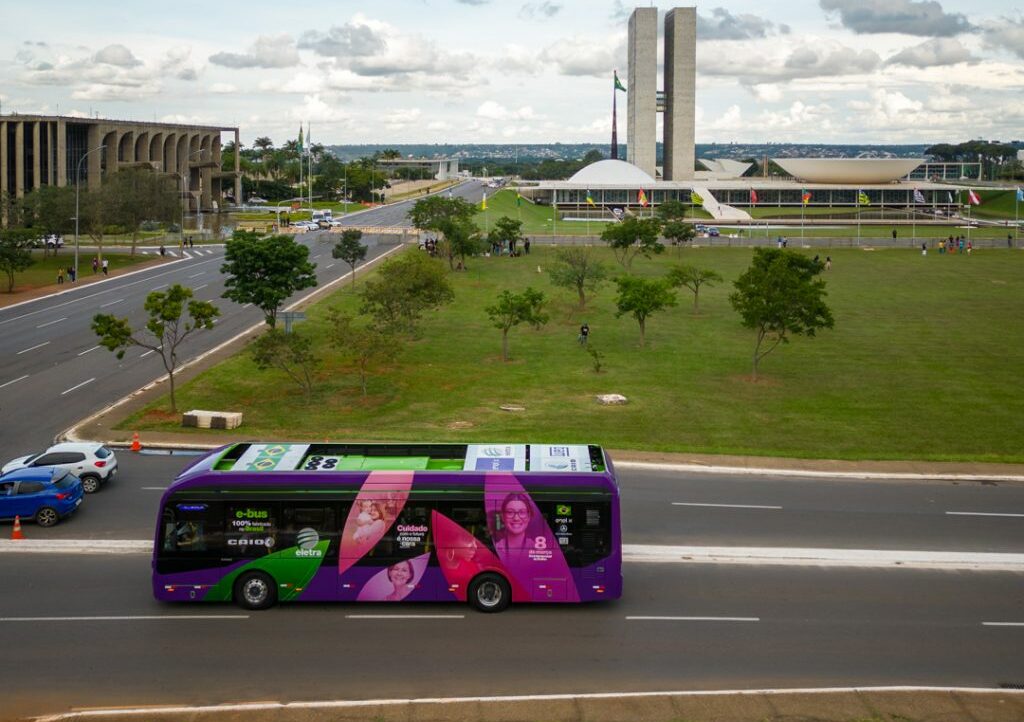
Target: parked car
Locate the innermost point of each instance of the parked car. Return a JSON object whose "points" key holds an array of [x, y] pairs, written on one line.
{"points": [[713, 232], [700, 228], [44, 494], [335, 223], [93, 463]]}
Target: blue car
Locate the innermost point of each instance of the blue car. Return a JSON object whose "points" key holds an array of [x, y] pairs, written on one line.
{"points": [[45, 494]]}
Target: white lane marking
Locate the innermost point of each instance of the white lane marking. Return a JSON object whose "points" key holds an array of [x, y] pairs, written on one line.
{"points": [[162, 285], [50, 323], [786, 556], [126, 618], [200, 288], [693, 619], [1002, 624], [20, 378], [405, 616], [158, 348], [111, 303], [88, 350], [153, 488], [33, 348], [330, 266], [62, 393], [982, 513], [725, 506], [197, 274], [247, 305]]}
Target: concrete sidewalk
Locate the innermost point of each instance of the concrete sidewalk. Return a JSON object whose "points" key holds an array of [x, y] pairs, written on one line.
{"points": [[888, 704]]}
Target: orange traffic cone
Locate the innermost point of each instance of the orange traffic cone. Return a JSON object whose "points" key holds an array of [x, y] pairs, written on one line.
{"points": [[136, 446], [16, 533]]}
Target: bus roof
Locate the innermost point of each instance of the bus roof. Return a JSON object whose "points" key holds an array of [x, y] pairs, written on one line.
{"points": [[251, 457]]}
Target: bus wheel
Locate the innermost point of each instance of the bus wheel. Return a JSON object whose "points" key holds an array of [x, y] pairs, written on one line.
{"points": [[490, 593], [255, 590]]}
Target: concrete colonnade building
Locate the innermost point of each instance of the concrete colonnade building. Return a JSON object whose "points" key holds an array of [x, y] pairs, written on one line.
{"points": [[45, 150], [678, 101]]}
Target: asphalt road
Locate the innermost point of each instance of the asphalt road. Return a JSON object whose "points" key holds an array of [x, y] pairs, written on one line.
{"points": [[52, 373]]}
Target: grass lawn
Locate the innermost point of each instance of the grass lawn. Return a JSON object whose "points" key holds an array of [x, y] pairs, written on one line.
{"points": [[924, 363], [842, 230], [44, 271]]}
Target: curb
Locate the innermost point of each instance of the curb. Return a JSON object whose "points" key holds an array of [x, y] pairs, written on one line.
{"points": [[824, 704], [811, 473]]}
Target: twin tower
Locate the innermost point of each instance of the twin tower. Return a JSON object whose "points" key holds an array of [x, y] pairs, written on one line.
{"points": [[677, 101]]}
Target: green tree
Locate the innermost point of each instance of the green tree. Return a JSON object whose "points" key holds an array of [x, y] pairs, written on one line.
{"points": [[462, 238], [447, 216], [265, 271], [15, 255], [96, 213], [291, 353], [364, 346], [632, 237], [513, 309], [350, 250], [505, 231], [167, 325], [678, 232], [671, 211], [138, 195], [404, 288], [641, 298], [693, 278], [51, 210], [575, 268], [778, 296]]}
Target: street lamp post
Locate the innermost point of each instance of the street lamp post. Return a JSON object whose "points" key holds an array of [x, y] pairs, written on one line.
{"points": [[78, 186]]}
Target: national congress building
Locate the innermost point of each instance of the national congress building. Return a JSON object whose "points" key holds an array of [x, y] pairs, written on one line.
{"points": [[48, 150]]}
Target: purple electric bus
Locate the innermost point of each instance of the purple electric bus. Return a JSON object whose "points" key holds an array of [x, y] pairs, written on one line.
{"points": [[259, 523]]}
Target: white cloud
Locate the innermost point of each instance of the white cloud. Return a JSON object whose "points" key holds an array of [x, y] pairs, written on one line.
{"points": [[723, 25], [223, 88], [937, 51], [581, 55], [267, 51], [494, 111], [1007, 34], [117, 55], [910, 17]]}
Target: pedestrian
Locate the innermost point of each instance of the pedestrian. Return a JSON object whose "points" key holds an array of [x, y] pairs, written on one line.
{"points": [[72, 274], [969, 248], [961, 245], [512, 247], [942, 246], [924, 249], [894, 234], [526, 246], [60, 275], [778, 242], [817, 259], [95, 264], [828, 263], [191, 242], [163, 251], [584, 334], [1009, 240], [106, 267]]}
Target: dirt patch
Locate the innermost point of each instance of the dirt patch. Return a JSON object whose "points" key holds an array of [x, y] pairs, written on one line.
{"points": [[458, 425]]}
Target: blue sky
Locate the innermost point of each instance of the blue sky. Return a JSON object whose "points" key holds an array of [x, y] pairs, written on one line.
{"points": [[523, 70]]}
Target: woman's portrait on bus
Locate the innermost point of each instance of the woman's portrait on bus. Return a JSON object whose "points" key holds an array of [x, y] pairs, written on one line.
{"points": [[402, 576], [513, 522], [372, 527]]}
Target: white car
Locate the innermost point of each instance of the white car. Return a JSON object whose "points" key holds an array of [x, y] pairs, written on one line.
{"points": [[93, 463]]}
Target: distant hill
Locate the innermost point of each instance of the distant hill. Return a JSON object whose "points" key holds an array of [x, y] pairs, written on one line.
{"points": [[536, 152]]}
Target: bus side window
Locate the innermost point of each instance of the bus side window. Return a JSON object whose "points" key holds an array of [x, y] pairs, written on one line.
{"points": [[190, 529], [412, 539], [297, 520], [582, 529], [251, 529], [471, 517]]}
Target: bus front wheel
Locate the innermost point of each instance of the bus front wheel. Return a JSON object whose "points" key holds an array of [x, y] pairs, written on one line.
{"points": [[255, 590], [490, 593]]}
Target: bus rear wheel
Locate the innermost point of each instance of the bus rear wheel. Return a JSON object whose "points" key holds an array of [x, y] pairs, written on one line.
{"points": [[255, 590], [490, 593]]}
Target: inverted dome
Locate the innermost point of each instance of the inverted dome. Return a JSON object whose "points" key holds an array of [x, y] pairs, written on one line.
{"points": [[848, 170], [611, 172]]}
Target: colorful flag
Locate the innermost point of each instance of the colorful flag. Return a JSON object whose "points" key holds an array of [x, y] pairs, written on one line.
{"points": [[972, 198], [618, 84], [641, 198], [805, 196], [919, 196], [862, 199], [483, 203], [590, 199], [753, 197], [695, 198], [1020, 195]]}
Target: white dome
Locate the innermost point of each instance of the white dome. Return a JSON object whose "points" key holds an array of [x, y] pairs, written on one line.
{"points": [[612, 172]]}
